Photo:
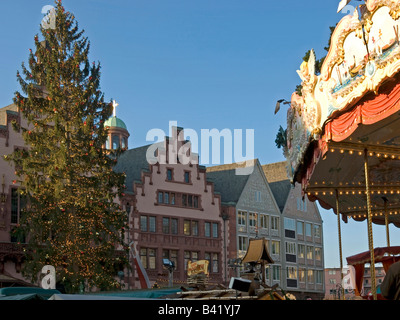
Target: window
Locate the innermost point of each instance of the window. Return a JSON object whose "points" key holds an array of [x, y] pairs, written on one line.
{"points": [[166, 198], [257, 196], [300, 228], [274, 223], [186, 258], [318, 254], [317, 231], [152, 258], [301, 205], [190, 256], [332, 281], [243, 241], [160, 197], [143, 223], [186, 227], [308, 230], [290, 227], [291, 272], [143, 257], [264, 221], [310, 276], [190, 200], [184, 200], [191, 228], [152, 224], [302, 275], [187, 176], [148, 258], [242, 217], [318, 277], [302, 250], [165, 225], [169, 174], [215, 230], [275, 247], [290, 248], [124, 142], [215, 262], [172, 198], [252, 219], [276, 273], [195, 228], [207, 229], [115, 142], [18, 204], [196, 201], [174, 226], [289, 223], [310, 253], [108, 143]]}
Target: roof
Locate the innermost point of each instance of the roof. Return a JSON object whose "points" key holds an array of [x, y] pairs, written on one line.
{"points": [[278, 182], [3, 111], [115, 122], [132, 162], [227, 182]]}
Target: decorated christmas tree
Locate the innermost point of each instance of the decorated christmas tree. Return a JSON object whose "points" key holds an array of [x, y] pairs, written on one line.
{"points": [[71, 220]]}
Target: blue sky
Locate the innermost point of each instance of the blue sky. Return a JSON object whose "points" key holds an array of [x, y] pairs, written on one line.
{"points": [[203, 63]]}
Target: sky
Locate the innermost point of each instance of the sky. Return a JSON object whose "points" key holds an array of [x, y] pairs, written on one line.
{"points": [[206, 64]]}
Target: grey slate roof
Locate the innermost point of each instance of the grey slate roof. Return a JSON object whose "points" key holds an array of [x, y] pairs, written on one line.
{"points": [[278, 182], [132, 162], [228, 184]]}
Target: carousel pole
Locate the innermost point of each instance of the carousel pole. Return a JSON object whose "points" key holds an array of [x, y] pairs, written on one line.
{"points": [[369, 219], [340, 243], [386, 222]]}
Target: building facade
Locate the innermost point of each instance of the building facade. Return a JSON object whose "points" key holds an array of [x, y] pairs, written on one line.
{"points": [[174, 212], [11, 203], [253, 213], [301, 236]]}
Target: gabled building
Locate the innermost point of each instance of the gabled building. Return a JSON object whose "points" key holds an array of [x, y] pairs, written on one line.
{"points": [[302, 236], [251, 210], [174, 213]]}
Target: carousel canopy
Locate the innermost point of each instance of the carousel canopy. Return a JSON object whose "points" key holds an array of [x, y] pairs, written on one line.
{"points": [[343, 132]]}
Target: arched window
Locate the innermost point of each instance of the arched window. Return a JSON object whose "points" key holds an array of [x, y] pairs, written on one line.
{"points": [[115, 142], [124, 143]]}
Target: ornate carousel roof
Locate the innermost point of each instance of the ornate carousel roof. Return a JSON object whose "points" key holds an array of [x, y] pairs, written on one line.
{"points": [[349, 115]]}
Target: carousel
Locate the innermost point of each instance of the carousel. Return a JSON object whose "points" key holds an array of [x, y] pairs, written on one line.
{"points": [[343, 131]]}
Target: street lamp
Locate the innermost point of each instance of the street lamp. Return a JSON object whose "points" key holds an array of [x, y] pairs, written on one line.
{"points": [[170, 266]]}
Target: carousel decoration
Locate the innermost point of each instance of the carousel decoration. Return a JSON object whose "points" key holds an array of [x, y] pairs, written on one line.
{"points": [[343, 131]]}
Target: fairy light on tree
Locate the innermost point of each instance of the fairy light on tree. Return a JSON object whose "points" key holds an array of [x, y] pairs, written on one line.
{"points": [[72, 221]]}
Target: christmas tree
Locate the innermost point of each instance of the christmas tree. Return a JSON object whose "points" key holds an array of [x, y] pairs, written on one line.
{"points": [[72, 220]]}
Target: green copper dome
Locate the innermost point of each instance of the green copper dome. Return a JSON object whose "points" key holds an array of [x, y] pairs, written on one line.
{"points": [[114, 122]]}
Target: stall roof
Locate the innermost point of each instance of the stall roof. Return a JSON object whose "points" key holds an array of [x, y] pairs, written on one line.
{"points": [[257, 252]]}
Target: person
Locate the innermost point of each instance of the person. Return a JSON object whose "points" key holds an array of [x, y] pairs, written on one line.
{"points": [[390, 287]]}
